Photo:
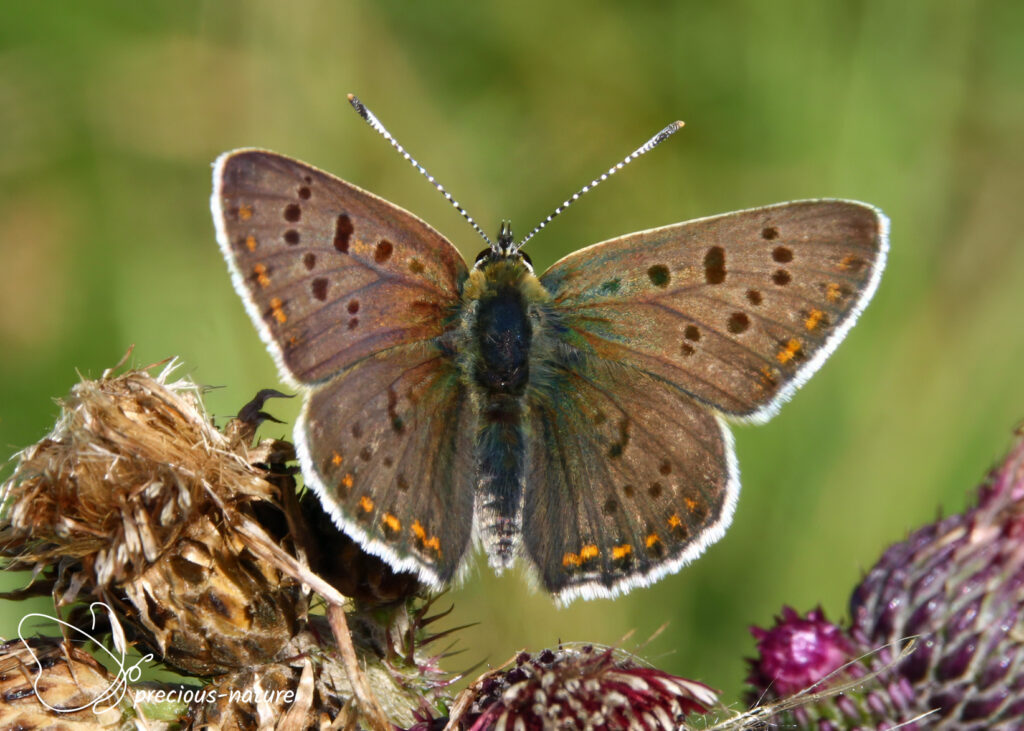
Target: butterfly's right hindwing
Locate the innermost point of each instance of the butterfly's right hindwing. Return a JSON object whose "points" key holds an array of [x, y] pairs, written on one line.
{"points": [[628, 480]]}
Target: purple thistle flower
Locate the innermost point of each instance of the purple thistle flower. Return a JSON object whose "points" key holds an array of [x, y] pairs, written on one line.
{"points": [[585, 688], [956, 589], [797, 652]]}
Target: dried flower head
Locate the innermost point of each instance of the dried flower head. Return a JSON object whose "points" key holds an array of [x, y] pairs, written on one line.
{"points": [[198, 543], [584, 687], [134, 495], [49, 683], [308, 688]]}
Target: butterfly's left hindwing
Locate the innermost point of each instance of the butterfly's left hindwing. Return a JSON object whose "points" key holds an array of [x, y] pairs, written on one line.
{"points": [[388, 447]]}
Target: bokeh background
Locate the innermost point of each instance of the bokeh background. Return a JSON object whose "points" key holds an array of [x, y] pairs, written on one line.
{"points": [[111, 112]]}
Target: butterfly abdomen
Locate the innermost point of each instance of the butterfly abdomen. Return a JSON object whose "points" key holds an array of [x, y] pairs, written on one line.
{"points": [[498, 334]]}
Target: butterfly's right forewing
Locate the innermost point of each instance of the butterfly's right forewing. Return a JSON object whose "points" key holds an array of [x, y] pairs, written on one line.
{"points": [[736, 310]]}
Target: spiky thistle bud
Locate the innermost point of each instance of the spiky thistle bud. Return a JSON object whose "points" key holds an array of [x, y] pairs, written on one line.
{"points": [[584, 687], [955, 588]]}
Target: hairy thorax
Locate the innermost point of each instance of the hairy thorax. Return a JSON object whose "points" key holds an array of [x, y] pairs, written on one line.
{"points": [[502, 330]]}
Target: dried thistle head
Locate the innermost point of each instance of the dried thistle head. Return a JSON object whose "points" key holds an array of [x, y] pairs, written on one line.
{"points": [[584, 687], [133, 499], [66, 696], [198, 542]]}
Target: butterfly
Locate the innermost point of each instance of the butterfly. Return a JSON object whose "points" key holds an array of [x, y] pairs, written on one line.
{"points": [[575, 419]]}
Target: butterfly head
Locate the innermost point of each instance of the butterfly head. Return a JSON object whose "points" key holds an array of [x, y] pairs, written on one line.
{"points": [[503, 249]]}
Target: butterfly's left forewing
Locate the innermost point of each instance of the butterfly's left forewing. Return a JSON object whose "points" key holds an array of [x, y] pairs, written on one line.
{"points": [[355, 298], [329, 273]]}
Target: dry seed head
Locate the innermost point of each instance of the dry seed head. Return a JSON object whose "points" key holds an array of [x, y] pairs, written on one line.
{"points": [[136, 494], [73, 680]]}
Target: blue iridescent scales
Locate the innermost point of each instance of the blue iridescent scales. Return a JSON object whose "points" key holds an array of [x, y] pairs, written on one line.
{"points": [[574, 421]]}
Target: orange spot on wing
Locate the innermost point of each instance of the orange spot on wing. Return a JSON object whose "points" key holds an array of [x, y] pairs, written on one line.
{"points": [[813, 319], [337, 459], [366, 503], [347, 480], [789, 352], [833, 292], [769, 376], [250, 242], [434, 543], [652, 538], [621, 551], [391, 522], [588, 552], [276, 309], [421, 533], [674, 521], [851, 262], [245, 212], [261, 275], [571, 559]]}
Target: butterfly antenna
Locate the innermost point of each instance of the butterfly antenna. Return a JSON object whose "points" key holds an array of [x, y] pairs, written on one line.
{"points": [[643, 149], [372, 120]]}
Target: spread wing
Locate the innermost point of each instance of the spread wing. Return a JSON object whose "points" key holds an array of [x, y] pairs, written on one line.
{"points": [[736, 310], [329, 273], [354, 297], [656, 335], [629, 479], [388, 447]]}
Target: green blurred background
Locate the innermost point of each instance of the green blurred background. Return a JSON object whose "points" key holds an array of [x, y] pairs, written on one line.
{"points": [[110, 114]]}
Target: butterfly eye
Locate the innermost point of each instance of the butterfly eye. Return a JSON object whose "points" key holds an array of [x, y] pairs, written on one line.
{"points": [[527, 259], [482, 255]]}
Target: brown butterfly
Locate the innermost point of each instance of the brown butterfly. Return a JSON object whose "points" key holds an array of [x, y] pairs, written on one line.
{"points": [[575, 419]]}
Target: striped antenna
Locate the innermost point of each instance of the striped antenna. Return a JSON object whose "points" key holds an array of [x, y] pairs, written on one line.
{"points": [[372, 120], [643, 149]]}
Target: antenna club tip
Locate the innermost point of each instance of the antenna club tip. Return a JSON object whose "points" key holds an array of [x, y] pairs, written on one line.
{"points": [[678, 125], [358, 106]]}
